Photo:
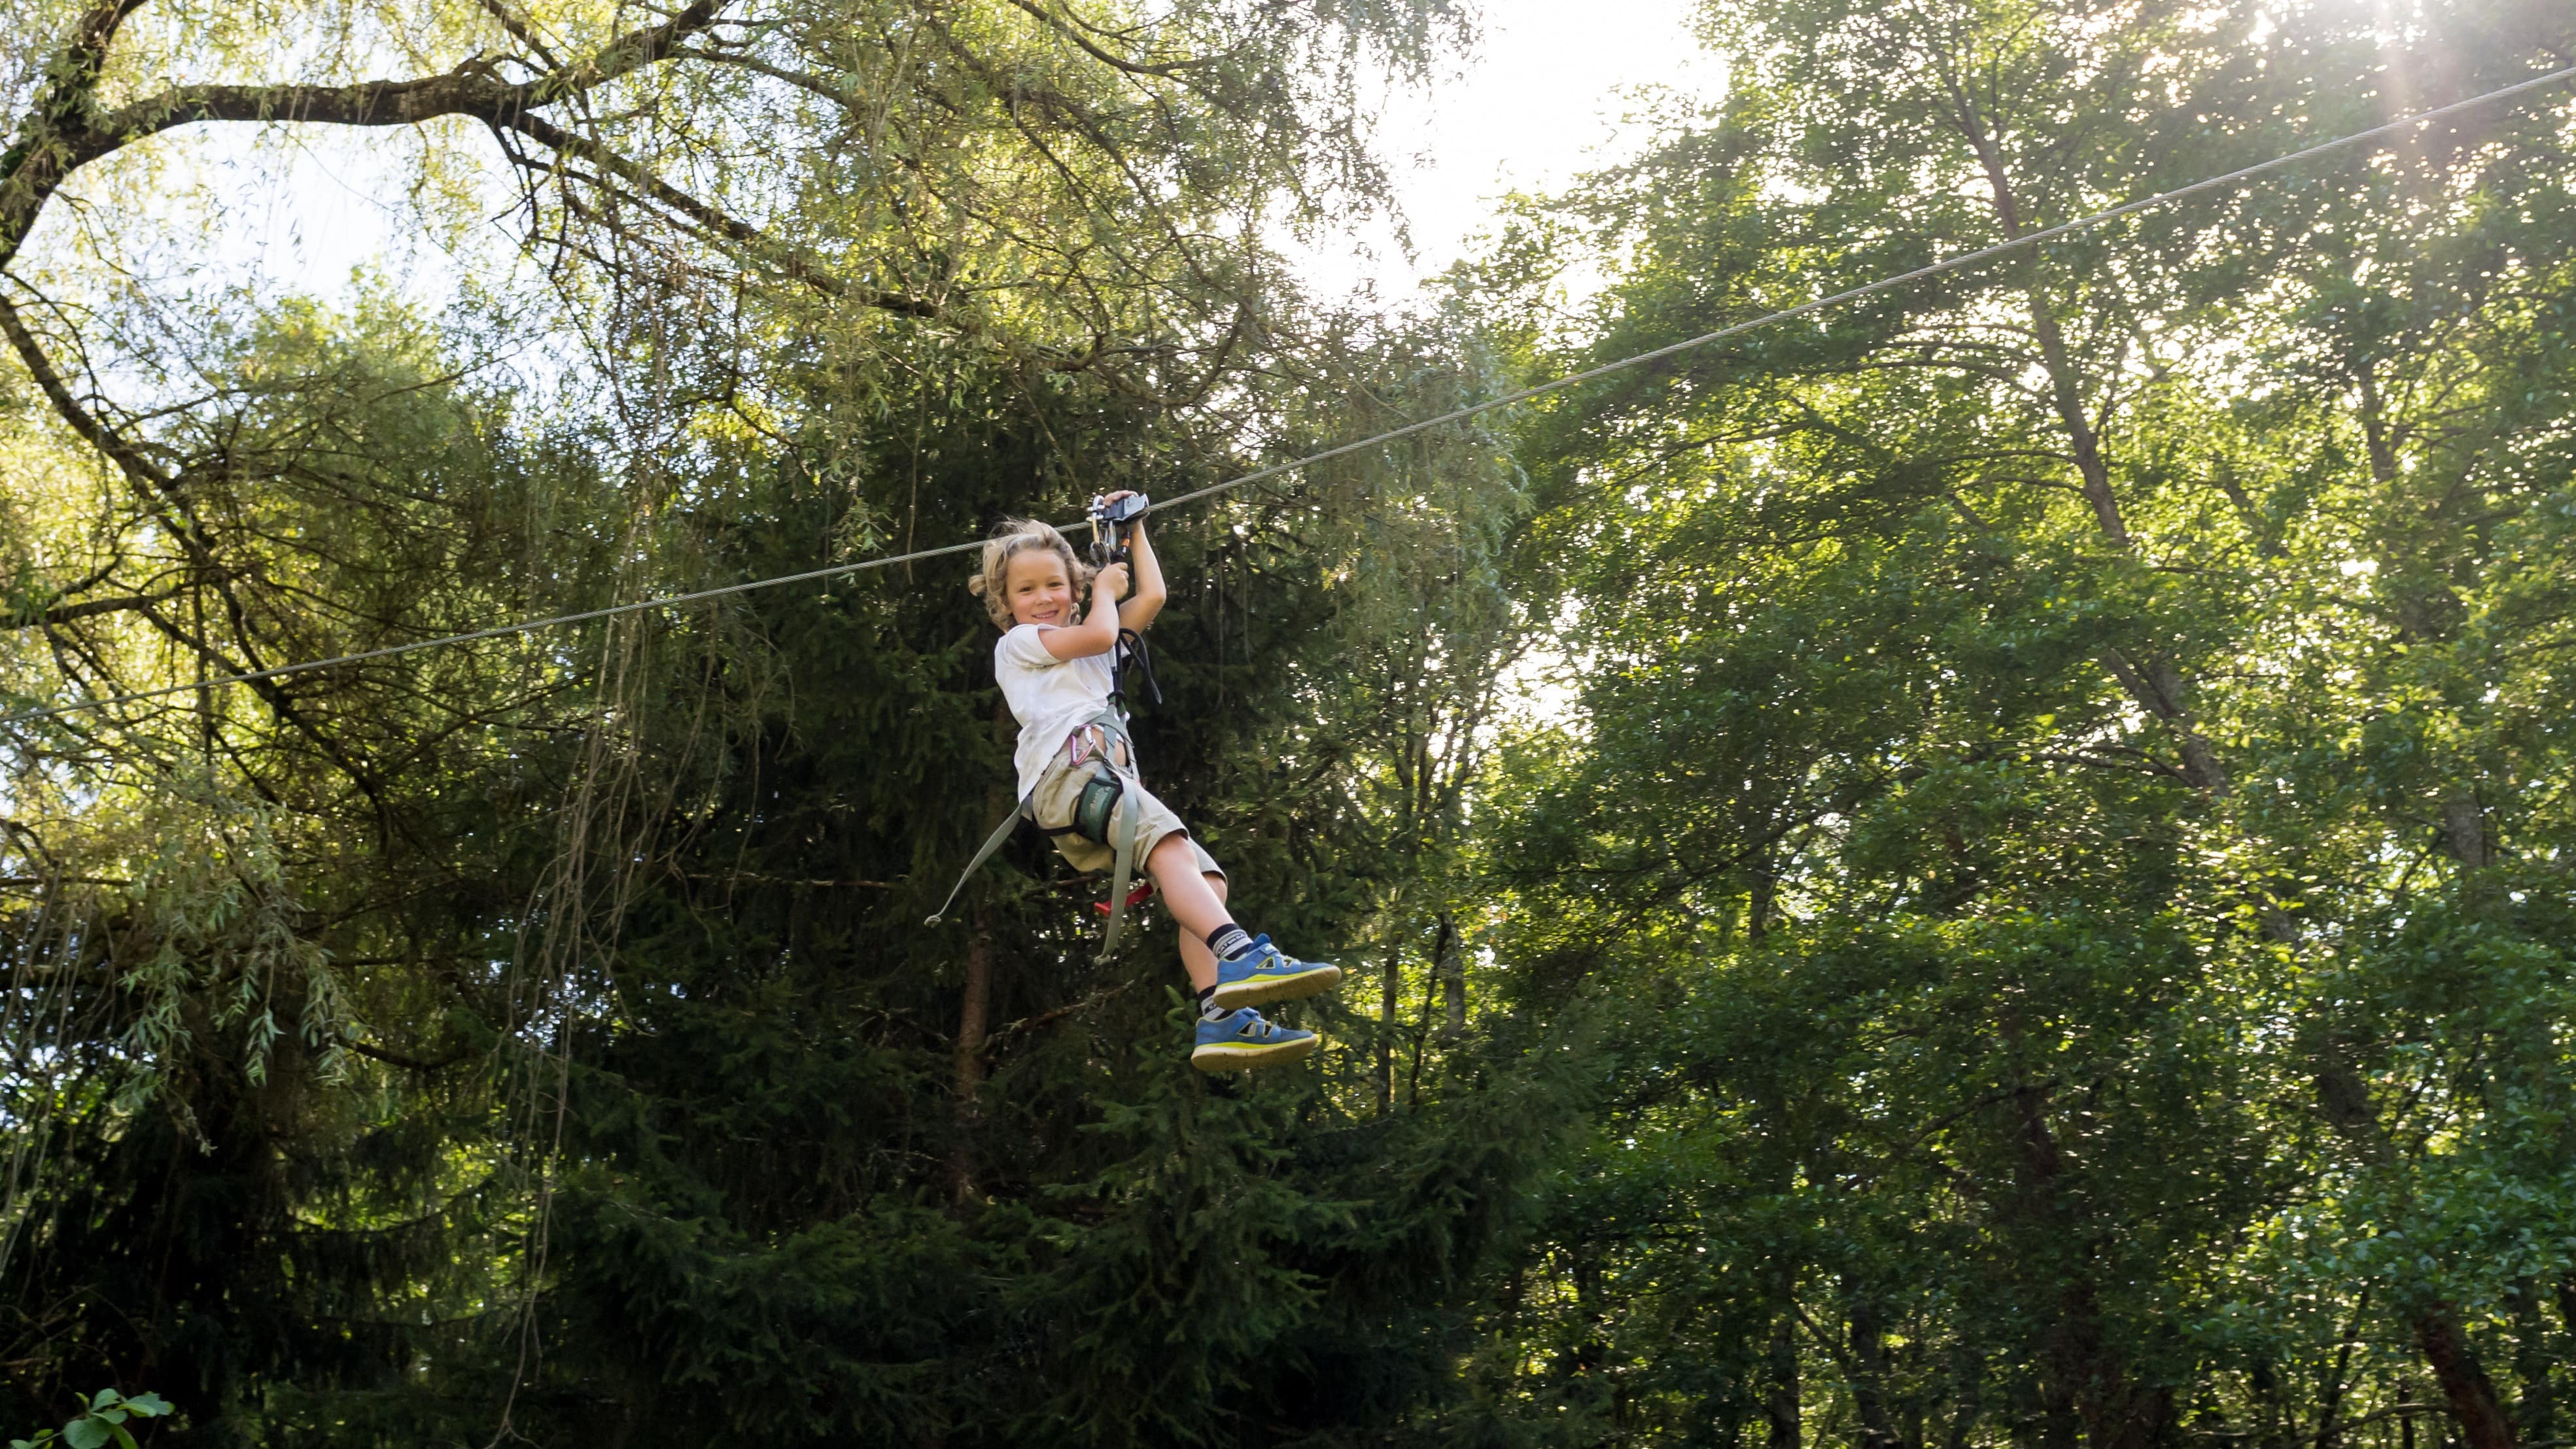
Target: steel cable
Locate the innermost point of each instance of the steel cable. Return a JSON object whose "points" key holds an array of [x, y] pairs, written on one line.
{"points": [[1966, 259]]}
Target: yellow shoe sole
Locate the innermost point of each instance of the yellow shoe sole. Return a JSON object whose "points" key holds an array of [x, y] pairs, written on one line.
{"points": [[1230, 1056], [1284, 988]]}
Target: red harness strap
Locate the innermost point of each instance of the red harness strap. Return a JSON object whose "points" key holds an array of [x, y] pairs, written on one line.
{"points": [[1135, 898]]}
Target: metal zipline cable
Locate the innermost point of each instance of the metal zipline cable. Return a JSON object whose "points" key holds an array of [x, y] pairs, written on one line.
{"points": [[1967, 259]]}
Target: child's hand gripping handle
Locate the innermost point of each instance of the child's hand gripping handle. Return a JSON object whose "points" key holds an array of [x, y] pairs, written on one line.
{"points": [[1113, 518]]}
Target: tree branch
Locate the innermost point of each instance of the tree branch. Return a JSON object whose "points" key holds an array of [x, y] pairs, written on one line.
{"points": [[521, 32], [86, 608], [66, 131], [31, 168], [1169, 71], [407, 1063], [128, 458]]}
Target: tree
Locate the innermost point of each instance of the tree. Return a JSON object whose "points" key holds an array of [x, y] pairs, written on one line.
{"points": [[1943, 664]]}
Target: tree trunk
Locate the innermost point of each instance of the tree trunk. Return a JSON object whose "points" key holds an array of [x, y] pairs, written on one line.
{"points": [[1453, 981], [2483, 1423], [1967, 1397], [975, 1001], [1780, 1400], [2339, 1379], [1386, 1004], [2065, 388], [1422, 1028], [2536, 1403], [2157, 685], [1763, 889], [2374, 430], [2276, 1424], [2085, 1388], [1869, 1369], [974, 1016], [2464, 828], [2481, 1415]]}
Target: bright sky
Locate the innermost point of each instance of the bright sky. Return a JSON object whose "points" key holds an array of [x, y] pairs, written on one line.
{"points": [[1549, 92]]}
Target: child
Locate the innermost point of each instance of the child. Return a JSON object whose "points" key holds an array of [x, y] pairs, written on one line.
{"points": [[1056, 673]]}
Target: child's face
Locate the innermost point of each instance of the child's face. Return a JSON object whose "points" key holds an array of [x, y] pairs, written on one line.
{"points": [[1038, 591]]}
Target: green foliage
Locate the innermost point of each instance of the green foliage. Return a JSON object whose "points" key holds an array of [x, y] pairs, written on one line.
{"points": [[2037, 816], [1988, 875], [100, 1422]]}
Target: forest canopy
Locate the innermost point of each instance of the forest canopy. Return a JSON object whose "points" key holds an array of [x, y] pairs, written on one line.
{"points": [[1989, 868]]}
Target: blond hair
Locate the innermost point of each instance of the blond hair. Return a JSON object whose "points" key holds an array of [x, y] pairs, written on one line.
{"points": [[1016, 536]]}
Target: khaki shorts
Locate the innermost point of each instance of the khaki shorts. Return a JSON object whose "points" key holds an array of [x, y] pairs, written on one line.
{"points": [[1060, 787]]}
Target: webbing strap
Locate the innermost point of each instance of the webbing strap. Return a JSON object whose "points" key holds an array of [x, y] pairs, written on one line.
{"points": [[1124, 826], [1001, 832]]}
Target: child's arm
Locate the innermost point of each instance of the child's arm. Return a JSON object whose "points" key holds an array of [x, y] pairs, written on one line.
{"points": [[1098, 631], [1139, 611]]}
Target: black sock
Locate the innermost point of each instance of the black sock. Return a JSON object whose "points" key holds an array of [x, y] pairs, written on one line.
{"points": [[1229, 941], [1208, 1009]]}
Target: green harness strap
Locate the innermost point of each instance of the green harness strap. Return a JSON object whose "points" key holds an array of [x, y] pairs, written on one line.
{"points": [[1126, 827], [992, 843]]}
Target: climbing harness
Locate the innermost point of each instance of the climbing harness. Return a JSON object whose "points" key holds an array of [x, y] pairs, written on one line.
{"points": [[1106, 812]]}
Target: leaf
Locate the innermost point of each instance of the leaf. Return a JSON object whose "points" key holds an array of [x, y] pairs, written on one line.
{"points": [[86, 1433], [147, 1405]]}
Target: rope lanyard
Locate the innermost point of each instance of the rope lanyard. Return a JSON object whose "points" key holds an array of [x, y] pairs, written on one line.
{"points": [[1967, 259]]}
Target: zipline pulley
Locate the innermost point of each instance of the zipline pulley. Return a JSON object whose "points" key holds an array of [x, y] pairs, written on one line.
{"points": [[1111, 520]]}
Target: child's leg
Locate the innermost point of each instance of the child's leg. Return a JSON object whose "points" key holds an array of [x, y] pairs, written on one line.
{"points": [[1257, 972], [1196, 901], [1196, 958]]}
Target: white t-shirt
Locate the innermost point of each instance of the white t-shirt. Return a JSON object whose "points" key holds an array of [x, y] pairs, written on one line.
{"points": [[1050, 697]]}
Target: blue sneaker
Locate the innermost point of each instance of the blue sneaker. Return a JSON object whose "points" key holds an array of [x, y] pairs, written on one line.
{"points": [[1241, 1040], [1265, 974]]}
